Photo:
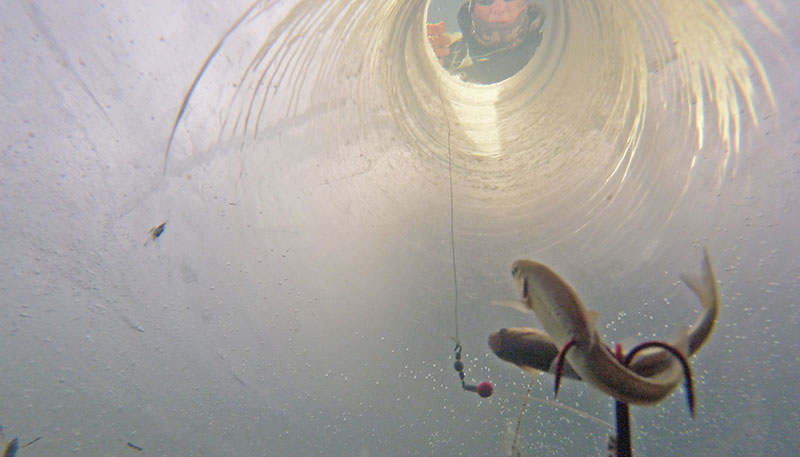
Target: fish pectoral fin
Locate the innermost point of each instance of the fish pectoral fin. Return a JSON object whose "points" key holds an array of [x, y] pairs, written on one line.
{"points": [[530, 370], [519, 305]]}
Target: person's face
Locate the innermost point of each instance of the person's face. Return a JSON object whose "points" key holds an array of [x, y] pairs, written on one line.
{"points": [[498, 10]]}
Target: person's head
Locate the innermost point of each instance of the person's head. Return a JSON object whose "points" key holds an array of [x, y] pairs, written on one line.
{"points": [[499, 22], [498, 11]]}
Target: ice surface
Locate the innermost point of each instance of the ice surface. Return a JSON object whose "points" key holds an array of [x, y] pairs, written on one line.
{"points": [[300, 298]]}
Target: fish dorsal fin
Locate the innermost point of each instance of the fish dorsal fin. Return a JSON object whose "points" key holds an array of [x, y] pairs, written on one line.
{"points": [[519, 305]]}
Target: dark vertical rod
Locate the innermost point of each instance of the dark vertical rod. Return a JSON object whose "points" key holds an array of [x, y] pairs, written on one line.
{"points": [[623, 430]]}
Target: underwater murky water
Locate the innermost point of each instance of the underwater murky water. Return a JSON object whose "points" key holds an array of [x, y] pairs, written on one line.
{"points": [[300, 297]]}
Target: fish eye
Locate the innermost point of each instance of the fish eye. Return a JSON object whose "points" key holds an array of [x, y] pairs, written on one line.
{"points": [[514, 271]]}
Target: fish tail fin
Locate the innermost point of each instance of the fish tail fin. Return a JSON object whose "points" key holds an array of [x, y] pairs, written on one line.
{"points": [[704, 285], [681, 340]]}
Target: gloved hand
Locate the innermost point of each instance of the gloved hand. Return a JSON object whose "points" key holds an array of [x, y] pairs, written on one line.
{"points": [[439, 40]]}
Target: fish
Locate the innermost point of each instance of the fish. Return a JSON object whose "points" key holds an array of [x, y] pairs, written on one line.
{"points": [[534, 351], [704, 285], [570, 325], [156, 232], [528, 348], [11, 448]]}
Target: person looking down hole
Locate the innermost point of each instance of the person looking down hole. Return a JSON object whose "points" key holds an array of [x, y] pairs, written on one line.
{"points": [[498, 38]]}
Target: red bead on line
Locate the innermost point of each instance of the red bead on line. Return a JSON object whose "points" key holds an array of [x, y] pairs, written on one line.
{"points": [[485, 389]]}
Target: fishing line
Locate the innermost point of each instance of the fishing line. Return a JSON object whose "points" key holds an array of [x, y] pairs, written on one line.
{"points": [[514, 449], [485, 388], [555, 405], [452, 211]]}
